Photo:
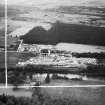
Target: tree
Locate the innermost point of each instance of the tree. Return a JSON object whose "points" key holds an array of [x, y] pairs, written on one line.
{"points": [[47, 80]]}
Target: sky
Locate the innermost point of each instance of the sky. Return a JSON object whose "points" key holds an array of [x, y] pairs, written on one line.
{"points": [[36, 2], [28, 2], [2, 1], [54, 3]]}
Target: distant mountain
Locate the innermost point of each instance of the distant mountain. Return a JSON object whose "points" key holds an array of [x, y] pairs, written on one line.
{"points": [[68, 33], [86, 3], [95, 3]]}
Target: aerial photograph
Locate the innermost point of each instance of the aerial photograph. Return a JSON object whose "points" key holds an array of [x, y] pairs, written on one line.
{"points": [[56, 43], [55, 52], [2, 43]]}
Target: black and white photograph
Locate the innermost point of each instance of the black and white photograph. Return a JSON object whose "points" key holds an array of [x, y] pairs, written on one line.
{"points": [[56, 42], [52, 52]]}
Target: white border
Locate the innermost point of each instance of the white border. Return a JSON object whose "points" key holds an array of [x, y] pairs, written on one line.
{"points": [[75, 86], [6, 43]]}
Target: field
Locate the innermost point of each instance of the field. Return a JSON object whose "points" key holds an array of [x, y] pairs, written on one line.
{"points": [[74, 82], [85, 96], [76, 95], [2, 26], [2, 59], [14, 57], [2, 36]]}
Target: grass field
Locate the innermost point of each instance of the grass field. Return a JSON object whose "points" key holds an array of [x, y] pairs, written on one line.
{"points": [[84, 95], [2, 59], [74, 82], [14, 57], [21, 92], [81, 95]]}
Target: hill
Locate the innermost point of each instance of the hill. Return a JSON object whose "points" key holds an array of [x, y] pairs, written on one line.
{"points": [[69, 33]]}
